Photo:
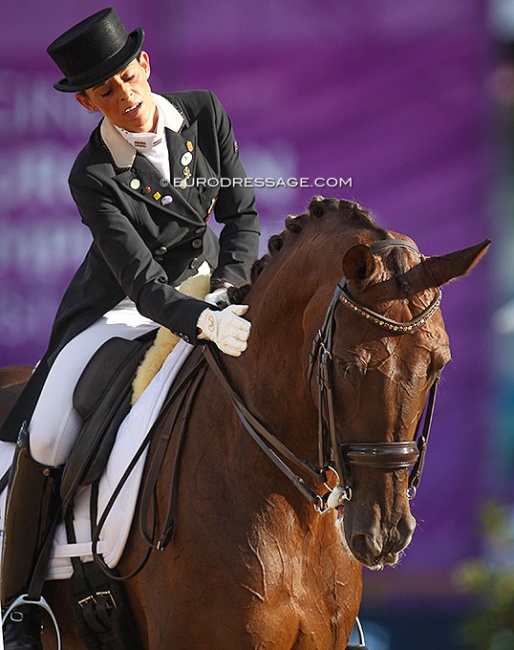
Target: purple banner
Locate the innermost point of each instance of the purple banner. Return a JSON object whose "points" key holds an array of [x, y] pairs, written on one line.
{"points": [[385, 106]]}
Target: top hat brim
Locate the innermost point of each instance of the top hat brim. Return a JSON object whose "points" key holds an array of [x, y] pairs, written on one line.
{"points": [[106, 69]]}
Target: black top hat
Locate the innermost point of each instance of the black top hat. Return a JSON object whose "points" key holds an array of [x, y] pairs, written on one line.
{"points": [[94, 50]]}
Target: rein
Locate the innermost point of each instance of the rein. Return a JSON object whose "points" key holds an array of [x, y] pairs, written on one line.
{"points": [[269, 443], [334, 455]]}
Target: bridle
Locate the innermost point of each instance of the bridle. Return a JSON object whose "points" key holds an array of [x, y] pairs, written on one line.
{"points": [[333, 455], [388, 456]]}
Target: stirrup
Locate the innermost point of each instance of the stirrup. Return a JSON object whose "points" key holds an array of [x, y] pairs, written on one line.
{"points": [[362, 641], [24, 600]]}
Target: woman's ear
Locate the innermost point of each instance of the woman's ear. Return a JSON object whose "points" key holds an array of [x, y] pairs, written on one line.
{"points": [[84, 101], [144, 62]]}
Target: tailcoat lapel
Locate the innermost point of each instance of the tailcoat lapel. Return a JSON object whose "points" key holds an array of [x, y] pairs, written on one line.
{"points": [[139, 178]]}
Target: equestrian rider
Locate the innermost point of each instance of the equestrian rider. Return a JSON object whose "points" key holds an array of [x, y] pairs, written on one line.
{"points": [[146, 185]]}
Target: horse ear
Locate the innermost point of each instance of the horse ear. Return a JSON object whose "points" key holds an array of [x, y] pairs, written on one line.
{"points": [[358, 262], [441, 269]]}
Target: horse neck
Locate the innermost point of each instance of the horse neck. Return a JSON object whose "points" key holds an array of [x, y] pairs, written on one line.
{"points": [[288, 303], [271, 376]]}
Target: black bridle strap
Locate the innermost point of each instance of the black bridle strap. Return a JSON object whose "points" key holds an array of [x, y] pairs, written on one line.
{"points": [[323, 352], [265, 438], [417, 470]]}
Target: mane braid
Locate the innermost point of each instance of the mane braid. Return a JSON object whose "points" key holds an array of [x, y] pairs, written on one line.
{"points": [[365, 219], [294, 224]]}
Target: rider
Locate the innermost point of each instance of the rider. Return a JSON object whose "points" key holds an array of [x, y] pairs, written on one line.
{"points": [[145, 184]]}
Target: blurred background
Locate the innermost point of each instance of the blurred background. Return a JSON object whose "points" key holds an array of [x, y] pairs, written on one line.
{"points": [[406, 107]]}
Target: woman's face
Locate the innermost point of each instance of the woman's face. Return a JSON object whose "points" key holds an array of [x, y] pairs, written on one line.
{"points": [[126, 98]]}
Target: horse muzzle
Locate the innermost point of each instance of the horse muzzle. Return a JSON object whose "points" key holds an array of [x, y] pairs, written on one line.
{"points": [[376, 550], [371, 538]]}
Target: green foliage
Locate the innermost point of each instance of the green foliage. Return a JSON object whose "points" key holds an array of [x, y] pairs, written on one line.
{"points": [[491, 581]]}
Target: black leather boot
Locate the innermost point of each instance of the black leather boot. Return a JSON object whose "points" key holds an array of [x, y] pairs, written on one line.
{"points": [[22, 628], [32, 512]]}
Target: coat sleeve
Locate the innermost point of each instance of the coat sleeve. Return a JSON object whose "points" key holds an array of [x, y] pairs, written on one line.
{"points": [[235, 207], [131, 262]]}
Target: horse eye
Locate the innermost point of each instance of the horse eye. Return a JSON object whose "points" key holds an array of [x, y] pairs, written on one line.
{"points": [[436, 365], [349, 369]]}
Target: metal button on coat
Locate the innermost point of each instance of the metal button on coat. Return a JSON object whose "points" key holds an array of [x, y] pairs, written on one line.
{"points": [[195, 263], [196, 243], [162, 250]]}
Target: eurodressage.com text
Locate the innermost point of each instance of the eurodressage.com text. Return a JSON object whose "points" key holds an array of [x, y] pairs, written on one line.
{"points": [[262, 182]]}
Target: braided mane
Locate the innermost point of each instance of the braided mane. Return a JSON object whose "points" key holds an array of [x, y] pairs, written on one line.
{"points": [[294, 224]]}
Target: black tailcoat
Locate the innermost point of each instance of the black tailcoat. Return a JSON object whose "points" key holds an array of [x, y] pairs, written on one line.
{"points": [[148, 234]]}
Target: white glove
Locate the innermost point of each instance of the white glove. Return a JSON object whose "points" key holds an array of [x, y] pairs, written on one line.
{"points": [[218, 297], [226, 328]]}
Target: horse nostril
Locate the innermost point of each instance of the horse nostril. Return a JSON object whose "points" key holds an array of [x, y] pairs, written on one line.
{"points": [[406, 527], [366, 547], [400, 537]]}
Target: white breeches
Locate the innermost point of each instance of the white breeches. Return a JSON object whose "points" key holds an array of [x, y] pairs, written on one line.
{"points": [[55, 424]]}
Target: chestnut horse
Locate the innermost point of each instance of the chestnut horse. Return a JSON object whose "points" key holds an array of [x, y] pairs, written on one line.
{"points": [[252, 564]]}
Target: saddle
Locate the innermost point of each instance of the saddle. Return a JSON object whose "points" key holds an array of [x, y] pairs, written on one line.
{"points": [[102, 398], [111, 382]]}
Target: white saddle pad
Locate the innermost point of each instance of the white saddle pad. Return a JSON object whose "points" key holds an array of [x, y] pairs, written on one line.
{"points": [[131, 433]]}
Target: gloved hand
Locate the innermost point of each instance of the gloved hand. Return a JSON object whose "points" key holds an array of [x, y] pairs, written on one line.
{"points": [[226, 329], [219, 297]]}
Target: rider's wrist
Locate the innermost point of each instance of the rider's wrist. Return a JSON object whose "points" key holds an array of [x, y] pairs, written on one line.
{"points": [[207, 325]]}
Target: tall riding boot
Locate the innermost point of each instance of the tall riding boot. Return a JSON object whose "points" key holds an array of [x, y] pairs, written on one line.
{"points": [[32, 511]]}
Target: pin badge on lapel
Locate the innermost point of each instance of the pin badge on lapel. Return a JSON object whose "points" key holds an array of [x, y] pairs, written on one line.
{"points": [[189, 145], [187, 172], [157, 196], [211, 208], [186, 158], [166, 200], [135, 183]]}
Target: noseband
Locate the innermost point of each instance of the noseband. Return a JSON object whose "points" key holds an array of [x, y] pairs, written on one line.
{"points": [[334, 455]]}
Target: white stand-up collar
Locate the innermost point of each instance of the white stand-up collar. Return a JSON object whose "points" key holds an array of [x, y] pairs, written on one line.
{"points": [[122, 144], [153, 146]]}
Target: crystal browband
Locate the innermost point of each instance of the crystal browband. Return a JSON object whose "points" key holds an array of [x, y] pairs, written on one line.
{"points": [[387, 323]]}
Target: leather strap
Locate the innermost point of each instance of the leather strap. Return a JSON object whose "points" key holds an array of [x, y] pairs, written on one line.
{"points": [[265, 438], [179, 403]]}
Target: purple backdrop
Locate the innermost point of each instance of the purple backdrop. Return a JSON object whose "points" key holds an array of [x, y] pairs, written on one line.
{"points": [[392, 101]]}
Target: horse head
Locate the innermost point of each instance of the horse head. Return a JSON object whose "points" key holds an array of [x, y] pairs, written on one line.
{"points": [[385, 344]]}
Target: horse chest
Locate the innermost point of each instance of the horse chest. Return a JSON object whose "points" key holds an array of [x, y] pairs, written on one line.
{"points": [[299, 583]]}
